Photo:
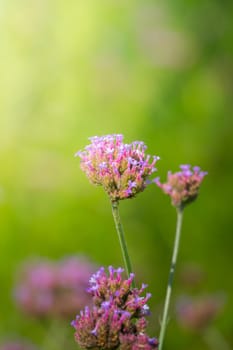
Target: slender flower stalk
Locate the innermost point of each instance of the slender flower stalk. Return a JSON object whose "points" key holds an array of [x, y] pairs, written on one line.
{"points": [[122, 169], [121, 236], [183, 188], [171, 277]]}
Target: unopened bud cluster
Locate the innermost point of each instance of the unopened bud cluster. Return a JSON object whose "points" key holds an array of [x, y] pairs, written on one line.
{"points": [[117, 318], [182, 186], [122, 169]]}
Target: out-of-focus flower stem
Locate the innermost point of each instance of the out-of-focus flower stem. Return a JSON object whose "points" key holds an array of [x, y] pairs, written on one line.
{"points": [[171, 276], [215, 340], [121, 236]]}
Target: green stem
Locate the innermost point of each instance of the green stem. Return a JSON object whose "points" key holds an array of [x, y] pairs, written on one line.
{"points": [[121, 236], [171, 277], [56, 335]]}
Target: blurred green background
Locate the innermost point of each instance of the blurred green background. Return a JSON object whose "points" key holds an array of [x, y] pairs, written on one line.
{"points": [[156, 71]]}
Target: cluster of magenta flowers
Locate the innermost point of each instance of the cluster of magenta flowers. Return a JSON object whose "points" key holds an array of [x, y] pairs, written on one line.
{"points": [[45, 288], [182, 186], [117, 317], [122, 169]]}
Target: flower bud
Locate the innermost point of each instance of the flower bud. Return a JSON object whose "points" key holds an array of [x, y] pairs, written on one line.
{"points": [[182, 186]]}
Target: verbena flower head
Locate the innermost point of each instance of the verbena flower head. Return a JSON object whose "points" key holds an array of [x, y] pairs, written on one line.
{"points": [[122, 169], [49, 289], [182, 186], [117, 317]]}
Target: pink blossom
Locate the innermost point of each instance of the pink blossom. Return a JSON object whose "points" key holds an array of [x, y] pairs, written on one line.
{"points": [[117, 317], [183, 186], [122, 169], [198, 313]]}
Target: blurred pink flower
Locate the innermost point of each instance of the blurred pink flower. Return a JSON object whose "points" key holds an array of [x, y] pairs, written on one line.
{"points": [[197, 313], [16, 345], [48, 289]]}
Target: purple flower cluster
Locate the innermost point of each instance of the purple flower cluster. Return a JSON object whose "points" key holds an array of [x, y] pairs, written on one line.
{"points": [[182, 186], [122, 169], [117, 318], [50, 289]]}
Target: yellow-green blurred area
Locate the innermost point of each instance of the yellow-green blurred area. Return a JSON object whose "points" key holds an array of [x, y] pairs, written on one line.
{"points": [[157, 71]]}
